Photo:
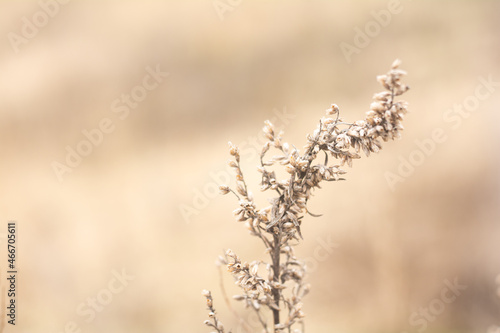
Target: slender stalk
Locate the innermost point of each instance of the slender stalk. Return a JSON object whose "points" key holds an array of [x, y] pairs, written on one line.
{"points": [[276, 274]]}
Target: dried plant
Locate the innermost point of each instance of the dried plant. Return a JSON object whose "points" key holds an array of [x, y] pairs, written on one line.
{"points": [[280, 290]]}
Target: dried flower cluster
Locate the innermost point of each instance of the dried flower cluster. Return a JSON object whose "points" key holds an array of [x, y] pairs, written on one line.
{"points": [[279, 224]]}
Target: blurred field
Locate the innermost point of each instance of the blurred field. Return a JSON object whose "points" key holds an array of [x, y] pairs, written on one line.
{"points": [[121, 208]]}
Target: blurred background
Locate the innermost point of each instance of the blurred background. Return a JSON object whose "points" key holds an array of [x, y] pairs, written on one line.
{"points": [[141, 197]]}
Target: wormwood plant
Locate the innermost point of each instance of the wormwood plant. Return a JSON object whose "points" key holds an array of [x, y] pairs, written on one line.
{"points": [[279, 291]]}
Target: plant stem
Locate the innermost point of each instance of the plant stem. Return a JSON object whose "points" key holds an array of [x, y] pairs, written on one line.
{"points": [[276, 274]]}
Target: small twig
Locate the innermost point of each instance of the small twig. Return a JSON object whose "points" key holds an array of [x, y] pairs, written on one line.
{"points": [[212, 314], [228, 303]]}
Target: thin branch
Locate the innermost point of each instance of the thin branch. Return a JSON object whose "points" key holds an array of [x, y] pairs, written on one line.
{"points": [[228, 302]]}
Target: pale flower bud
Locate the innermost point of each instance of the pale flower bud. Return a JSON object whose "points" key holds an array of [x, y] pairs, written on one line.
{"points": [[233, 150], [396, 63], [334, 109], [224, 189]]}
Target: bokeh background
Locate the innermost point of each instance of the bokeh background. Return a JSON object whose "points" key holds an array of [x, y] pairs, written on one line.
{"points": [[143, 200]]}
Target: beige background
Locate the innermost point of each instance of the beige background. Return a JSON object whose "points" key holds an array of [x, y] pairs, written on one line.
{"points": [[121, 207]]}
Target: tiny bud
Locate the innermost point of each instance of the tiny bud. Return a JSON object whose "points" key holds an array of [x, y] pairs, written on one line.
{"points": [[377, 106], [254, 269], [265, 148], [334, 109], [396, 63], [233, 150], [269, 124], [224, 189]]}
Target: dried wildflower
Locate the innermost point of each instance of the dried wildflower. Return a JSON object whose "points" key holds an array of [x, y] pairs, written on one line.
{"points": [[215, 323], [278, 225]]}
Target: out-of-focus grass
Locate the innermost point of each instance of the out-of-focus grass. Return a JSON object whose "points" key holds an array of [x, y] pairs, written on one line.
{"points": [[120, 207]]}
